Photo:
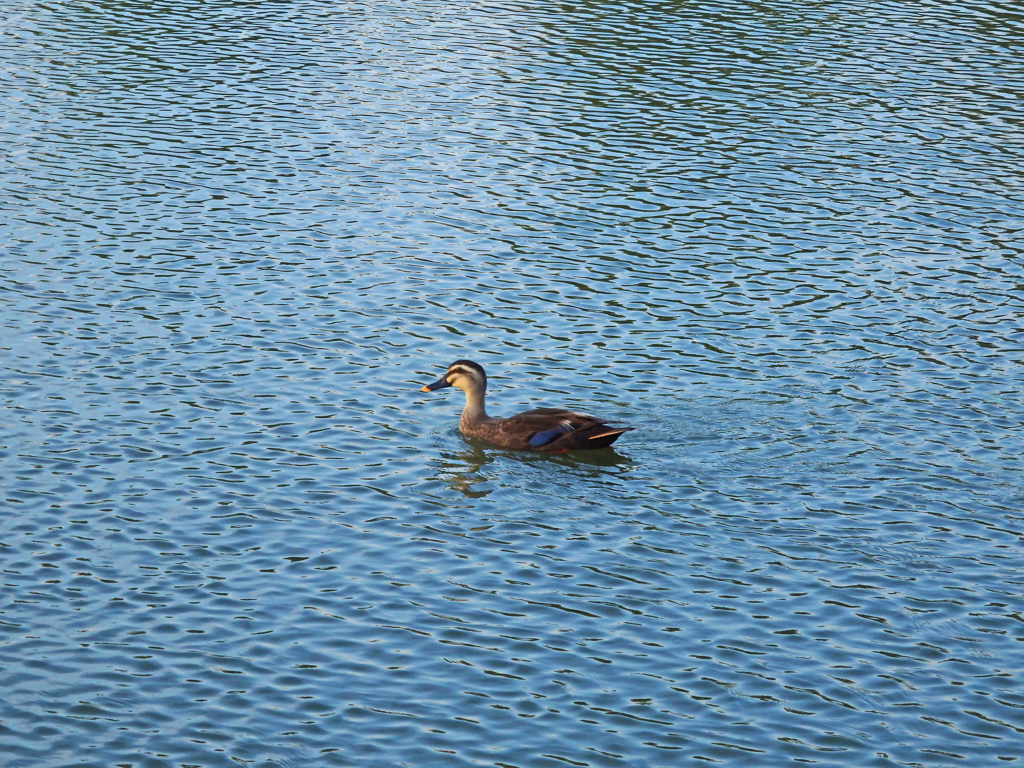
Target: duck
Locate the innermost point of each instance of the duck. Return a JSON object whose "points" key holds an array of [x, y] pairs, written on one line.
{"points": [[555, 430]]}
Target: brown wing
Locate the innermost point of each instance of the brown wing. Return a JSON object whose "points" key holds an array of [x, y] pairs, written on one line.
{"points": [[557, 429]]}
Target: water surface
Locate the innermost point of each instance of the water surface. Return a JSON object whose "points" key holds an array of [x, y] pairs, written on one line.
{"points": [[783, 240]]}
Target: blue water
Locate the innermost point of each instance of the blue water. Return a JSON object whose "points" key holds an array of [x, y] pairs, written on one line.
{"points": [[783, 240]]}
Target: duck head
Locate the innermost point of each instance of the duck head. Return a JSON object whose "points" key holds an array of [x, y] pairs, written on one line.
{"points": [[462, 374]]}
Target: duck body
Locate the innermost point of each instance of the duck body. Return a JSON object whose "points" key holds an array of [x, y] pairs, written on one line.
{"points": [[541, 429]]}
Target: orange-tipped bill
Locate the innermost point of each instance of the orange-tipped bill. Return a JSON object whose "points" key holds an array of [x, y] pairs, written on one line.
{"points": [[439, 384]]}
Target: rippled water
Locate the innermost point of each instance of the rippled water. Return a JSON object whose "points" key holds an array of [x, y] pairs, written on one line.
{"points": [[783, 239]]}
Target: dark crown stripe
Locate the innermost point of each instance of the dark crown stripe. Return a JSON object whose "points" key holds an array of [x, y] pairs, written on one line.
{"points": [[467, 364], [462, 371], [466, 367]]}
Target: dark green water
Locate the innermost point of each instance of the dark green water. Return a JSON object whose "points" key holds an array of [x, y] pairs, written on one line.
{"points": [[782, 239]]}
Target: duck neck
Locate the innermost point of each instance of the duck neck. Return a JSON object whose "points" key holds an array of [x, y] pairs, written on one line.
{"points": [[474, 411]]}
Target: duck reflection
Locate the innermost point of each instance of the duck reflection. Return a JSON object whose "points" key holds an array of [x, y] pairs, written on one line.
{"points": [[462, 468]]}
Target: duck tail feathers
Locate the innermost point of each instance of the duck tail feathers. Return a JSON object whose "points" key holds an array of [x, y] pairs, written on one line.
{"points": [[607, 437]]}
